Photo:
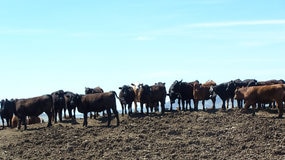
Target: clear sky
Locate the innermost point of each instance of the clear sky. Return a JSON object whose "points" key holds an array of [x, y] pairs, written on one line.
{"points": [[49, 45]]}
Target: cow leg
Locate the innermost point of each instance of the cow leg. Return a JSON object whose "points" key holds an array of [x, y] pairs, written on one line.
{"points": [[117, 115], [85, 120], [147, 108], [232, 100], [136, 106], [2, 122], [253, 109], [179, 106], [183, 105], [64, 112], [227, 103], [60, 115], [74, 113], [9, 122], [188, 103], [162, 108], [109, 116], [122, 105], [125, 106], [223, 105], [214, 102], [196, 105], [55, 116], [49, 114], [129, 108], [203, 103], [141, 108], [280, 108], [24, 122]]}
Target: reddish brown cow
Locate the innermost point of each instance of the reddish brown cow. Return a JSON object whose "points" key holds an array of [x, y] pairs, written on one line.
{"points": [[34, 120], [262, 94], [202, 92], [34, 107], [151, 96], [97, 89], [98, 102]]}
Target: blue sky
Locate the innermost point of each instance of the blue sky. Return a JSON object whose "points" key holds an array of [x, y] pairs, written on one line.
{"points": [[69, 44]]}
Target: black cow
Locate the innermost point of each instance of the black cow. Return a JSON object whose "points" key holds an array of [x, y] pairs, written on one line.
{"points": [[70, 101], [183, 91], [226, 91], [97, 103], [34, 107], [127, 96], [7, 111], [58, 104]]}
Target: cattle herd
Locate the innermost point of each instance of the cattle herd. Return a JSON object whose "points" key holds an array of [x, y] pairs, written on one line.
{"points": [[249, 92]]}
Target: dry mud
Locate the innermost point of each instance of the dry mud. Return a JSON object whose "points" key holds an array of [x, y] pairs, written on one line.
{"points": [[174, 135]]}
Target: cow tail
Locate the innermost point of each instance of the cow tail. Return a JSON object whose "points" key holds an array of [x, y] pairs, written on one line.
{"points": [[52, 107], [116, 95]]}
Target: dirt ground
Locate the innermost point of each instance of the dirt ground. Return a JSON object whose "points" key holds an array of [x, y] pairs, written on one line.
{"points": [[176, 135]]}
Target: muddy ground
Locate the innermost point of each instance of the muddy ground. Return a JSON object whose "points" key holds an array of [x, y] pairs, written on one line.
{"points": [[175, 135]]}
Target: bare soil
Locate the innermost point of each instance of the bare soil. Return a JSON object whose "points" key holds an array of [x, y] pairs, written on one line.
{"points": [[175, 135]]}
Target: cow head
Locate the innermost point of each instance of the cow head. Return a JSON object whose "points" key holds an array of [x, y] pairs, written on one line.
{"points": [[239, 93], [88, 90], [126, 90]]}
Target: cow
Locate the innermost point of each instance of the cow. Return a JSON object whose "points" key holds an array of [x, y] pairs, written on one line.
{"points": [[92, 91], [70, 97], [203, 92], [262, 94], [226, 91], [135, 88], [7, 111], [15, 121], [98, 102], [144, 96], [127, 96], [58, 104], [34, 107], [151, 96], [183, 91], [157, 95], [34, 120], [245, 83], [268, 82], [29, 120]]}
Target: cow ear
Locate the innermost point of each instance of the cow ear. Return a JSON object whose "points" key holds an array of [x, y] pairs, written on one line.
{"points": [[120, 87]]}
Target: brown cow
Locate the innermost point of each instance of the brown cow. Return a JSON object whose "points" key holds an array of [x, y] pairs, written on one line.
{"points": [[34, 107], [98, 102], [15, 121], [151, 96], [202, 92], [262, 94], [158, 94], [30, 120]]}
